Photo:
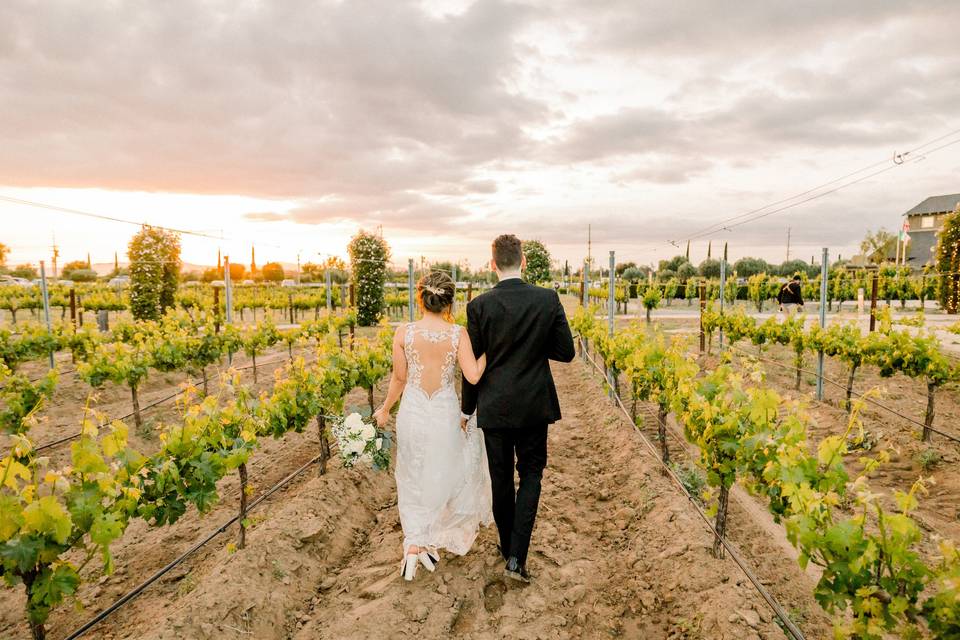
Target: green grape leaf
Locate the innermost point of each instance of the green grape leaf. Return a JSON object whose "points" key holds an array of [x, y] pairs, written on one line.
{"points": [[11, 517], [106, 528], [47, 516], [23, 552]]}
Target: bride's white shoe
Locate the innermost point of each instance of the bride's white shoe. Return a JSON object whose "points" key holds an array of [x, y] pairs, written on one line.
{"points": [[428, 560], [408, 566]]}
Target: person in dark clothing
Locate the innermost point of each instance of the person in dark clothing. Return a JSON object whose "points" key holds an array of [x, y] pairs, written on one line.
{"points": [[790, 296], [520, 327]]}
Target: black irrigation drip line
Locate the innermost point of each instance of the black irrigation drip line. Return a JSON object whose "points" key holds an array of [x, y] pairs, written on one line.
{"points": [[74, 436], [770, 599], [853, 392], [136, 591]]}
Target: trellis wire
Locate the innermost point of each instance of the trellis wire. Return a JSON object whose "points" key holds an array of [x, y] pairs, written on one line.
{"points": [[841, 385], [55, 443], [136, 591], [770, 599]]}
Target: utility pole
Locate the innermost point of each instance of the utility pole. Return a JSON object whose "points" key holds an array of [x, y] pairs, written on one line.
{"points": [[788, 244], [56, 254]]}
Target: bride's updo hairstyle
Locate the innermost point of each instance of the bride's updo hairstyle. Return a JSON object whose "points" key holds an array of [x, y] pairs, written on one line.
{"points": [[436, 291]]}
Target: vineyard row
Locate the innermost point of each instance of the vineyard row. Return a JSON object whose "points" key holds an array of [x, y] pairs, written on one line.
{"points": [[874, 578], [55, 520]]}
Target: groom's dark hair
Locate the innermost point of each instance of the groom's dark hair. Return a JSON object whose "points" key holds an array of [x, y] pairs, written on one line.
{"points": [[507, 251]]}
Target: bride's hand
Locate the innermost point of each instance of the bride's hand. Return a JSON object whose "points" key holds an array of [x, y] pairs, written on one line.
{"points": [[382, 416]]}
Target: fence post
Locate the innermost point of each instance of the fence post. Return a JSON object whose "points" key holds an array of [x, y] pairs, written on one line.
{"points": [[410, 288], [73, 307], [469, 291], [823, 318], [46, 303], [723, 290], [80, 310], [290, 302], [702, 290], [873, 301]]}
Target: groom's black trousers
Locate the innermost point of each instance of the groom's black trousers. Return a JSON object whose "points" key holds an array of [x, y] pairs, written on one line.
{"points": [[515, 511]]}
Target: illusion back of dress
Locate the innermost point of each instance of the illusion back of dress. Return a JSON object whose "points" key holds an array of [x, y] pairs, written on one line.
{"points": [[431, 357]]}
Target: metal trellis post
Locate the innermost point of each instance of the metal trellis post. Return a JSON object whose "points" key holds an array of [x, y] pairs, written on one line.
{"points": [[327, 283], [46, 303], [723, 289], [586, 284], [410, 288], [611, 301], [823, 319], [228, 299]]}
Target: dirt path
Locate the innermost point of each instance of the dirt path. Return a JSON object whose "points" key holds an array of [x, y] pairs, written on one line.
{"points": [[616, 553]]}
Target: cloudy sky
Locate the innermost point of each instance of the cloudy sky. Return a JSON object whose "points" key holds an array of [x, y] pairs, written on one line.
{"points": [[291, 124]]}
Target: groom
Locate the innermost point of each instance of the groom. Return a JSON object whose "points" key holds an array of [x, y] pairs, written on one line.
{"points": [[520, 327]]}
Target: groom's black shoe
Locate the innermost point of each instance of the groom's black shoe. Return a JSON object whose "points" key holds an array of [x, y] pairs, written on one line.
{"points": [[515, 571]]}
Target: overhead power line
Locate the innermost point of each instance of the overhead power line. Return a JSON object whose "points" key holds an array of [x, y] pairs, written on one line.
{"points": [[818, 191], [100, 216]]}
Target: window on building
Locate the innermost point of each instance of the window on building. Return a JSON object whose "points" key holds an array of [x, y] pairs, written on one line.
{"points": [[926, 222]]}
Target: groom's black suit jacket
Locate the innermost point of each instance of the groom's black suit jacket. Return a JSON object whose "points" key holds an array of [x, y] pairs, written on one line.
{"points": [[520, 327]]}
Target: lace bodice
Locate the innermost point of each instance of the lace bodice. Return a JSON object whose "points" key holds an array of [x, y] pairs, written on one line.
{"points": [[431, 357]]}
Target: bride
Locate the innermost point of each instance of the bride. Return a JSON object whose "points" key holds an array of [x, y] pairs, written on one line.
{"points": [[443, 483]]}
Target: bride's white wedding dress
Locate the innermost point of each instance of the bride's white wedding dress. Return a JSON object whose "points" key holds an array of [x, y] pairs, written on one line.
{"points": [[443, 484]]}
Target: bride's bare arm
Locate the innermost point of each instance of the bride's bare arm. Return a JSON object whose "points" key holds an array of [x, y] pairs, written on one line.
{"points": [[397, 379], [471, 367]]}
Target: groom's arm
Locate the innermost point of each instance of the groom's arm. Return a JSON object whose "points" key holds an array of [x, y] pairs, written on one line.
{"points": [[468, 396], [561, 341]]}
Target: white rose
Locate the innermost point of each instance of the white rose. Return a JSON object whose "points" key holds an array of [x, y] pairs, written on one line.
{"points": [[368, 432], [355, 447], [379, 444], [353, 422]]}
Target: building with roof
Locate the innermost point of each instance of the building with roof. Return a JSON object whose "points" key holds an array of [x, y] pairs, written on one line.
{"points": [[925, 220]]}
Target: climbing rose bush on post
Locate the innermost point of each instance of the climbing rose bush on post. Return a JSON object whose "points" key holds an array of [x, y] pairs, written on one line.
{"points": [[538, 261], [948, 262], [154, 271], [369, 255]]}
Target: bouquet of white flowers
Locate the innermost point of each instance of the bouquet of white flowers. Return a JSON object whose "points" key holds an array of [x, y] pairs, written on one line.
{"points": [[361, 441]]}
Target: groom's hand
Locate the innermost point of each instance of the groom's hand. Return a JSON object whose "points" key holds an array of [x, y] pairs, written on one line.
{"points": [[463, 424]]}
